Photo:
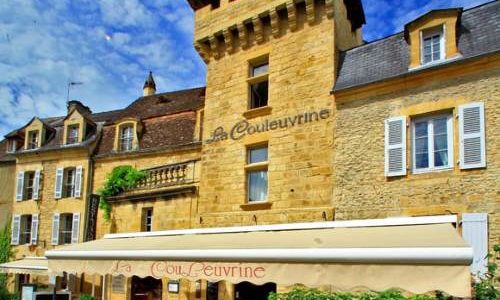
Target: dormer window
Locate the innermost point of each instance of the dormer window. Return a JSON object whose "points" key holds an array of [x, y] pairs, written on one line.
{"points": [[432, 45], [73, 134], [12, 146], [33, 137], [126, 137]]}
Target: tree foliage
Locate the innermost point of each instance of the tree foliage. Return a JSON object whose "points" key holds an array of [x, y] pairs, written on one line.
{"points": [[5, 256], [315, 294], [119, 180]]}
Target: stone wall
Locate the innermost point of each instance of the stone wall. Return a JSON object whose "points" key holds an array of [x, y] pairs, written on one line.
{"points": [[301, 76], [47, 205], [168, 213], [7, 185], [362, 190]]}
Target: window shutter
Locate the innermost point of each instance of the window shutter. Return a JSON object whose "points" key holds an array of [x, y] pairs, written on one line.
{"points": [[55, 229], [475, 232], [395, 146], [75, 229], [34, 229], [36, 185], [59, 183], [20, 186], [16, 224], [78, 181], [472, 136]]}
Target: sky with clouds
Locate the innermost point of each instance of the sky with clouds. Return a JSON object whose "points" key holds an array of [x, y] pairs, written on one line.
{"points": [[110, 45]]}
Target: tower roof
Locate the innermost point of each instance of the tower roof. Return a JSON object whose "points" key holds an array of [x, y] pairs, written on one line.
{"points": [[150, 82]]}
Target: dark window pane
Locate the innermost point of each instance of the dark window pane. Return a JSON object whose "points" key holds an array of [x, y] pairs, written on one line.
{"points": [[260, 69], [441, 158], [421, 160], [259, 94]]}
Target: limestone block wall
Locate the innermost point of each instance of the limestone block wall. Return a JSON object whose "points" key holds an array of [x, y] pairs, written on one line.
{"points": [[175, 212], [7, 184], [47, 205], [301, 74], [362, 190]]}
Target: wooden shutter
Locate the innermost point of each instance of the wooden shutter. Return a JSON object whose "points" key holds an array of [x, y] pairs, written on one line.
{"points": [[395, 146], [75, 229], [20, 186], [475, 232], [78, 181], [55, 229], [59, 183], [16, 228], [36, 185], [34, 229], [472, 136]]}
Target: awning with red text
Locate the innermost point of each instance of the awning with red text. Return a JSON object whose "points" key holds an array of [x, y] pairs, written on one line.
{"points": [[415, 258]]}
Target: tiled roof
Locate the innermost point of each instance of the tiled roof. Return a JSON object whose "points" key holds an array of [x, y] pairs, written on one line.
{"points": [[478, 34], [165, 119]]}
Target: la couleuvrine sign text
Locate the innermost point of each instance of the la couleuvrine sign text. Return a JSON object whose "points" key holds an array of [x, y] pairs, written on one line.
{"points": [[244, 128]]}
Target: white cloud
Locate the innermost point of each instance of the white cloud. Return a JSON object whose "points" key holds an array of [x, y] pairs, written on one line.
{"points": [[42, 47]]}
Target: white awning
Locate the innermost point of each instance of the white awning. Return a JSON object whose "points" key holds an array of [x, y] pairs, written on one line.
{"points": [[416, 258], [27, 265]]}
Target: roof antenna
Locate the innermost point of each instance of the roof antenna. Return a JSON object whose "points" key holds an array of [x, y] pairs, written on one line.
{"points": [[71, 83]]}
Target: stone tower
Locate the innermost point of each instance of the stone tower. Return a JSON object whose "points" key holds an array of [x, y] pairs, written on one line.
{"points": [[149, 86], [270, 71]]}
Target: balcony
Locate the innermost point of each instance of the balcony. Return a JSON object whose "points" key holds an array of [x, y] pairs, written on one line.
{"points": [[164, 181]]}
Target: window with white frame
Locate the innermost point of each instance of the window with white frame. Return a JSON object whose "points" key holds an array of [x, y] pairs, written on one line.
{"points": [[12, 146], [147, 219], [73, 132], [259, 84], [25, 232], [69, 182], [65, 229], [256, 169], [29, 185], [33, 137], [433, 47], [126, 137], [432, 139]]}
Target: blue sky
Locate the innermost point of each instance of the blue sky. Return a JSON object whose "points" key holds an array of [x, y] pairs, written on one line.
{"points": [[110, 45]]}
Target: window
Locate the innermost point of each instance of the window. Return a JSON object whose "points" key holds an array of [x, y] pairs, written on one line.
{"points": [[72, 135], [29, 185], [257, 173], [32, 140], [432, 45], [126, 137], [66, 229], [69, 183], [259, 85], [147, 219], [432, 143], [25, 233], [12, 146]]}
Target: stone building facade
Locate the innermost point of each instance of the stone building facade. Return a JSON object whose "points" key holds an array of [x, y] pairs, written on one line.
{"points": [[294, 125]]}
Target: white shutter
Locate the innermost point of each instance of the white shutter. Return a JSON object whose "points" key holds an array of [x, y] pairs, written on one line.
{"points": [[20, 186], [475, 232], [395, 146], [75, 229], [59, 183], [34, 229], [55, 229], [36, 185], [472, 136], [78, 181], [16, 227]]}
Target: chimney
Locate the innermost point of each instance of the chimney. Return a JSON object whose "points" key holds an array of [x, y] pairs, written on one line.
{"points": [[149, 86]]}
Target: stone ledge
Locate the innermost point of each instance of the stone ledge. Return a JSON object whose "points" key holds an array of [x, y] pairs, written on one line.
{"points": [[258, 112], [256, 206]]}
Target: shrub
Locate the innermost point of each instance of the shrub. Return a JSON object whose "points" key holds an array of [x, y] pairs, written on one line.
{"points": [[86, 297], [121, 179]]}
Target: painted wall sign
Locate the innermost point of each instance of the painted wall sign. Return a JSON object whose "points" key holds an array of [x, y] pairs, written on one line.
{"points": [[244, 128]]}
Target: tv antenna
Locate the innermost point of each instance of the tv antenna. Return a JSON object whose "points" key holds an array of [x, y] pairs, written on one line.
{"points": [[70, 84]]}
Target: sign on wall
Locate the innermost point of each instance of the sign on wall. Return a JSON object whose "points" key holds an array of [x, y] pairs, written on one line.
{"points": [[118, 284]]}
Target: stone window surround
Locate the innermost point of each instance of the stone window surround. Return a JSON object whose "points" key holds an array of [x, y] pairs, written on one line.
{"points": [[136, 129], [258, 78], [430, 32], [259, 166]]}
